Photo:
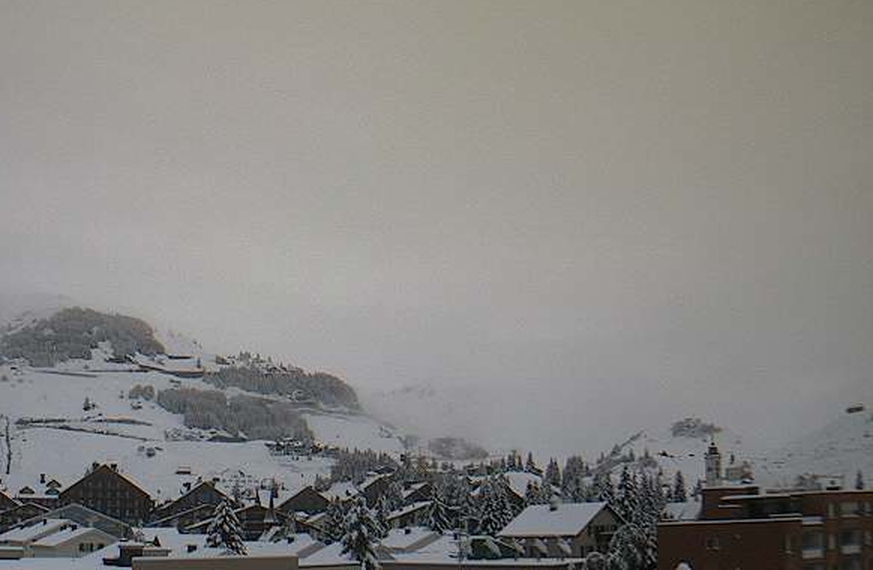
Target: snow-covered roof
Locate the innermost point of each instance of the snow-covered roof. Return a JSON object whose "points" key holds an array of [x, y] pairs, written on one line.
{"points": [[518, 481], [684, 511], [569, 519], [332, 554], [408, 509], [34, 531], [341, 490], [372, 478], [403, 539], [67, 534]]}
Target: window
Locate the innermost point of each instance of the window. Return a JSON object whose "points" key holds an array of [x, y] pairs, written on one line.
{"points": [[812, 544], [712, 543], [850, 508], [850, 541]]}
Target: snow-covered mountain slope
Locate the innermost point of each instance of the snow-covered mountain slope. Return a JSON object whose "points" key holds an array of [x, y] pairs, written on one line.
{"points": [[53, 435], [837, 451], [66, 415], [681, 446]]}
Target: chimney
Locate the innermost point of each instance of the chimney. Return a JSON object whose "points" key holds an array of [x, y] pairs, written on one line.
{"points": [[113, 466], [42, 478]]}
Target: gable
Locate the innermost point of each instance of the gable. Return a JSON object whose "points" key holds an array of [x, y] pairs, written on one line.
{"points": [[7, 502], [307, 499], [102, 477]]}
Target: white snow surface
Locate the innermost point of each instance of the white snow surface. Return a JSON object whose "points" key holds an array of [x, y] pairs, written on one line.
{"points": [[136, 439], [569, 519], [835, 452]]}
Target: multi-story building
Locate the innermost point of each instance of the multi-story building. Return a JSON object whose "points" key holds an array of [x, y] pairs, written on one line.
{"points": [[106, 490], [739, 527]]}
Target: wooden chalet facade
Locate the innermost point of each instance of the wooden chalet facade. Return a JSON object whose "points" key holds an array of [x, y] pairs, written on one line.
{"points": [[373, 488], [20, 513], [307, 500], [106, 490], [254, 521], [7, 502], [204, 496]]}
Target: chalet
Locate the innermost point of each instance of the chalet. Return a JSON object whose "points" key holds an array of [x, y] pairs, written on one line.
{"points": [[255, 520], [410, 515], [106, 490], [313, 525], [86, 517], [186, 518], [417, 492], [22, 512], [307, 500], [54, 538], [72, 542], [562, 530], [7, 502], [45, 497], [204, 493], [374, 487]]}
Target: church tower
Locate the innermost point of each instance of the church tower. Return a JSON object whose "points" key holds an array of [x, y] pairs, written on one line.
{"points": [[713, 465]]}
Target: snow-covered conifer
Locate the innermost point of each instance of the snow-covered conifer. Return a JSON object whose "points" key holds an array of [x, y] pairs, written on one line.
{"points": [[225, 530], [679, 494], [529, 465], [362, 535], [335, 522], [438, 517]]}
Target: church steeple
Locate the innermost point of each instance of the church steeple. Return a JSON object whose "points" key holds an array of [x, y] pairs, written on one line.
{"points": [[713, 465]]}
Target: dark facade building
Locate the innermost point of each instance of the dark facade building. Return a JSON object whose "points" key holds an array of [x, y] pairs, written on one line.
{"points": [[204, 494], [106, 490], [17, 514], [307, 500], [6, 502], [739, 528]]}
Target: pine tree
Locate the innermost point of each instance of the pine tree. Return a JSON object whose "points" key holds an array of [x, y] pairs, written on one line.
{"points": [[495, 511], [627, 501], [225, 531], [383, 511], [553, 474], [394, 495], [529, 465], [603, 489], [334, 526], [679, 494], [438, 518], [362, 534]]}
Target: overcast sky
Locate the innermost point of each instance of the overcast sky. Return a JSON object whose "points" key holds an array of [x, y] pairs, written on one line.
{"points": [[608, 213]]}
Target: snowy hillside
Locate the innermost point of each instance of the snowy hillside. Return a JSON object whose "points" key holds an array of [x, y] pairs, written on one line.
{"points": [[65, 416], [681, 447], [837, 451]]}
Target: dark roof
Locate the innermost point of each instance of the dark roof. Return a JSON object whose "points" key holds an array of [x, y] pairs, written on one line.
{"points": [[106, 469]]}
